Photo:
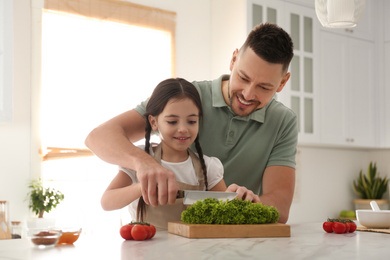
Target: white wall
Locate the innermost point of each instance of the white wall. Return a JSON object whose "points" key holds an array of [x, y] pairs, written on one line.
{"points": [[15, 162], [193, 60], [324, 176]]}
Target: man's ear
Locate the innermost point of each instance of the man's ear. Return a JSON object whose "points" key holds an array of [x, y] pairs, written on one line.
{"points": [[285, 78], [153, 122], [234, 59]]}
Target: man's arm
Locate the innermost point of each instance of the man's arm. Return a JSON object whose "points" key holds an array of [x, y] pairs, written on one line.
{"points": [[112, 142], [278, 189]]}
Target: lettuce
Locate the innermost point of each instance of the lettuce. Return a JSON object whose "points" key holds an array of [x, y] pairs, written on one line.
{"points": [[237, 211]]}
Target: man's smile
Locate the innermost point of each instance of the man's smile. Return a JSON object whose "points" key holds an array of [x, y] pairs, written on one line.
{"points": [[244, 102]]}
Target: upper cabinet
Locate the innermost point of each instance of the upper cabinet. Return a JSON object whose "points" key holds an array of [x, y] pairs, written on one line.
{"points": [[348, 84], [334, 81], [300, 93], [384, 93], [347, 91]]}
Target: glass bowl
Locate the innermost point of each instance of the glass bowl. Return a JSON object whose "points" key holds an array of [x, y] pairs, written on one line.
{"points": [[69, 235], [44, 237]]}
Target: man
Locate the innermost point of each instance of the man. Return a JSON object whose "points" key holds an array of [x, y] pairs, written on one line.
{"points": [[252, 134]]}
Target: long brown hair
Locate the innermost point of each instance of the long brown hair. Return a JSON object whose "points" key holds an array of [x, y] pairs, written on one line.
{"points": [[166, 90]]}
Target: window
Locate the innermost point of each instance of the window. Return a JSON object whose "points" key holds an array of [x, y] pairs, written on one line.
{"points": [[92, 70]]}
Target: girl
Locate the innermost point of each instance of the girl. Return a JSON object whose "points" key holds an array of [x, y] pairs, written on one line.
{"points": [[173, 111]]}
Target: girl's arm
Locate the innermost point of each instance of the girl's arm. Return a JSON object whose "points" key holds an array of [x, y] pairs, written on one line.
{"points": [[220, 186], [120, 192]]}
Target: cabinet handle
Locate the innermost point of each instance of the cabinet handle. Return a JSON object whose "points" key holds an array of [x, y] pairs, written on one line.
{"points": [[349, 30], [350, 140]]}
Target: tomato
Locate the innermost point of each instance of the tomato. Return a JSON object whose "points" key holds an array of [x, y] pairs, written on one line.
{"points": [[352, 227], [347, 227], [327, 226], [338, 227], [149, 231], [153, 229], [125, 231], [139, 232]]}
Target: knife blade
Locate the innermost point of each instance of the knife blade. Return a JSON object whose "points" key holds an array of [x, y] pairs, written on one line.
{"points": [[191, 196]]}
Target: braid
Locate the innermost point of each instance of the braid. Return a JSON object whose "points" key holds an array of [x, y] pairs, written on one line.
{"points": [[141, 207], [148, 131], [200, 153]]}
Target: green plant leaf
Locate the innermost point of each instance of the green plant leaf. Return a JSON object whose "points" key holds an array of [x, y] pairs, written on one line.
{"points": [[43, 199], [370, 186]]}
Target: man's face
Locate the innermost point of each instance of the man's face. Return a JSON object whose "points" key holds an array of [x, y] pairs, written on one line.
{"points": [[253, 82]]}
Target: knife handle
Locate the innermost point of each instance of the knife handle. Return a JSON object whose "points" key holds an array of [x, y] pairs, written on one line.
{"points": [[180, 194]]}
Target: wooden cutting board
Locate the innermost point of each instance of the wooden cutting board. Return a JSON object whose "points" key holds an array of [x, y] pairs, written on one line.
{"points": [[228, 231]]}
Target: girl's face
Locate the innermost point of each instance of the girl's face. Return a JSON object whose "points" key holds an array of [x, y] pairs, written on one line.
{"points": [[178, 126]]}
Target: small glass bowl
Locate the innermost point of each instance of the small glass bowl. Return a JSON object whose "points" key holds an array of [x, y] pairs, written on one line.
{"points": [[69, 235], [44, 237]]}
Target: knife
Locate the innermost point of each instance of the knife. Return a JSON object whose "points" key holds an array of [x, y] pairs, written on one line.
{"points": [[191, 196]]}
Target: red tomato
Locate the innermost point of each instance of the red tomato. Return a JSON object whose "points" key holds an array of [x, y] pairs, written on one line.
{"points": [[327, 226], [338, 227], [352, 227], [125, 231], [149, 231], [347, 227], [153, 229], [139, 232]]}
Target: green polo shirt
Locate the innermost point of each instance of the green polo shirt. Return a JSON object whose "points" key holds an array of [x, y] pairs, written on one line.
{"points": [[245, 145]]}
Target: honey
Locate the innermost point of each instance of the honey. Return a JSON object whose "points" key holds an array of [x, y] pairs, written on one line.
{"points": [[69, 237]]}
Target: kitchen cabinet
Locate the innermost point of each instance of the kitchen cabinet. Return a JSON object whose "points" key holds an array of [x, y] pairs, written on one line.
{"points": [[385, 122], [346, 90], [300, 93], [384, 93], [386, 12], [333, 84]]}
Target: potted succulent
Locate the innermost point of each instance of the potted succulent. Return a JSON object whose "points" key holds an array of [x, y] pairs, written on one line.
{"points": [[370, 187], [42, 200]]}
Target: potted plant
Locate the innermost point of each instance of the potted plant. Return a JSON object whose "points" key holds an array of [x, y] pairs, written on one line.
{"points": [[370, 187], [42, 200]]}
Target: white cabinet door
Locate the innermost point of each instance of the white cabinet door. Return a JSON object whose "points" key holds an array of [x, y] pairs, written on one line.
{"points": [[360, 86], [333, 79], [300, 92], [347, 116], [385, 123], [386, 14]]}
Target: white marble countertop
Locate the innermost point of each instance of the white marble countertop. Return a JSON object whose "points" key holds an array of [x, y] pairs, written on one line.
{"points": [[307, 241]]}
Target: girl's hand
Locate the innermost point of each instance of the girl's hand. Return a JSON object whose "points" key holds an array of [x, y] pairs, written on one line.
{"points": [[243, 193]]}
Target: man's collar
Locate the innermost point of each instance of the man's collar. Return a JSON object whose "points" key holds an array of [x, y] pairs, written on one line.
{"points": [[218, 101]]}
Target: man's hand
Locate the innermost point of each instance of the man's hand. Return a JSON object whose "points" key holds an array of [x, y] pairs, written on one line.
{"points": [[158, 184], [243, 193]]}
